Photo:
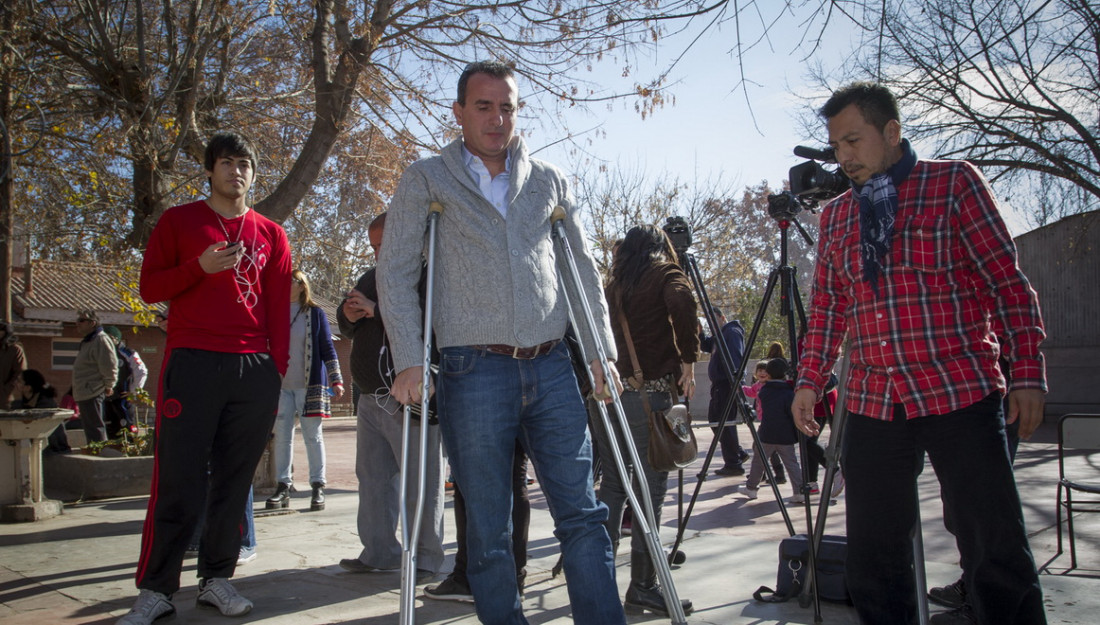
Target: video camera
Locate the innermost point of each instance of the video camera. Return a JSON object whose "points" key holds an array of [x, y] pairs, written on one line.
{"points": [[679, 232], [810, 184]]}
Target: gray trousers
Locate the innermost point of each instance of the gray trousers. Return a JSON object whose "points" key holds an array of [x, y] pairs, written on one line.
{"points": [[378, 467], [612, 486], [787, 455]]}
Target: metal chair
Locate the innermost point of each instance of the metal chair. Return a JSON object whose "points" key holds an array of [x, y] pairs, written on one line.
{"points": [[1076, 432]]}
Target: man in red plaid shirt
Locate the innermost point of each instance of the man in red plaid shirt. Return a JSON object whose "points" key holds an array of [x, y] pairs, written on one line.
{"points": [[916, 268]]}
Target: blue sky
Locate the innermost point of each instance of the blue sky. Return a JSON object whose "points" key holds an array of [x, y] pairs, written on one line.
{"points": [[710, 132]]}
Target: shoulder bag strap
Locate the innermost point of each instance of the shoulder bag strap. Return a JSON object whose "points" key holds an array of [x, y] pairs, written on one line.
{"points": [[638, 378]]}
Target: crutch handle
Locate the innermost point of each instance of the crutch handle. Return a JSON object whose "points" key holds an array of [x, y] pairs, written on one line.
{"points": [[557, 214]]}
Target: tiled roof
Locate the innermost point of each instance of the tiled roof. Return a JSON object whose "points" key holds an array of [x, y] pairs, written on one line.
{"points": [[60, 288], [68, 286]]}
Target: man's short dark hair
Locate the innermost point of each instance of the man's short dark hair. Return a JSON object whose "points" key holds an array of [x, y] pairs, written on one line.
{"points": [[226, 144], [496, 69], [378, 222], [875, 101]]}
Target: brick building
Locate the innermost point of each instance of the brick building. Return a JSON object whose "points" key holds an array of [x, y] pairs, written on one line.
{"points": [[47, 294]]}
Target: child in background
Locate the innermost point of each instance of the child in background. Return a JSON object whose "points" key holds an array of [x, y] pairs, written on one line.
{"points": [[761, 376], [777, 432]]}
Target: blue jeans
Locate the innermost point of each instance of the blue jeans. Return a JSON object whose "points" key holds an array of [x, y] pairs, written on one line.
{"points": [[292, 402], [248, 525], [486, 402], [967, 448]]}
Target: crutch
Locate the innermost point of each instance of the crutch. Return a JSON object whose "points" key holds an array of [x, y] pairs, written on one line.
{"points": [[410, 532], [645, 522]]}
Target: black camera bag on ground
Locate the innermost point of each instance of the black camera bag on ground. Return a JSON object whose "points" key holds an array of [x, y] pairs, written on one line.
{"points": [[793, 556]]}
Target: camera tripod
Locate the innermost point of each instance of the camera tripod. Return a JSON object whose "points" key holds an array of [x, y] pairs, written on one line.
{"points": [[790, 305]]}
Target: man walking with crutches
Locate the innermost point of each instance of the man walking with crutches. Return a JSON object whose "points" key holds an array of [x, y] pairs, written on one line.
{"points": [[499, 318]]}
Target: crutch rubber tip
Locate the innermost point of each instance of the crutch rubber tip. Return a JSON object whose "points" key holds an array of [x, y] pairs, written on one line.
{"points": [[435, 207], [557, 214]]}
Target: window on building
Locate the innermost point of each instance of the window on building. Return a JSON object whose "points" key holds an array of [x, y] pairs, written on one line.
{"points": [[64, 353]]}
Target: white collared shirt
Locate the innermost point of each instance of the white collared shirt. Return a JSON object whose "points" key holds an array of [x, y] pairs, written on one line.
{"points": [[494, 189]]}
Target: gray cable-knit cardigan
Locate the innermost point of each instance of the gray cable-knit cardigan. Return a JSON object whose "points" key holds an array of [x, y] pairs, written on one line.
{"points": [[496, 279]]}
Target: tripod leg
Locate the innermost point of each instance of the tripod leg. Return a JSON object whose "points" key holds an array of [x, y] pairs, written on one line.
{"points": [[645, 521], [410, 529], [692, 269]]}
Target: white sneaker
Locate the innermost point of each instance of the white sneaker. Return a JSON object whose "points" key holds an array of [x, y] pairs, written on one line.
{"points": [[150, 606], [838, 484], [217, 592], [798, 498], [751, 493], [247, 555]]}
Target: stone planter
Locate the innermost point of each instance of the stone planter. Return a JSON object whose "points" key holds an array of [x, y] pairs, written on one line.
{"points": [[75, 477]]}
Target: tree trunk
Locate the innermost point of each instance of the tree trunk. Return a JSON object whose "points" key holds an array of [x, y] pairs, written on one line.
{"points": [[150, 201], [282, 201], [7, 217], [150, 186], [335, 91]]}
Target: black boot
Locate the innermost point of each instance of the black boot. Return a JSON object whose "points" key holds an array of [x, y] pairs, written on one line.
{"points": [[281, 498], [644, 593], [317, 502]]}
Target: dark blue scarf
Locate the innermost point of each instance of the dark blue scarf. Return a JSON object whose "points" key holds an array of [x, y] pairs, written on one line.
{"points": [[878, 203]]}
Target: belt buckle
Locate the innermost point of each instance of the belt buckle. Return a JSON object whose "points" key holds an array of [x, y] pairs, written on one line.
{"points": [[515, 352]]}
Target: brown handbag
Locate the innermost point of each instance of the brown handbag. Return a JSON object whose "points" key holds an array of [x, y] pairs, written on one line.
{"points": [[672, 444]]}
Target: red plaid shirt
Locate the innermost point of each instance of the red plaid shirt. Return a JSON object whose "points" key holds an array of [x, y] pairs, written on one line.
{"points": [[950, 287]]}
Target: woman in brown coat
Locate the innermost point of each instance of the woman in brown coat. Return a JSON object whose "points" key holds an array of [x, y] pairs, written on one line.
{"points": [[651, 294]]}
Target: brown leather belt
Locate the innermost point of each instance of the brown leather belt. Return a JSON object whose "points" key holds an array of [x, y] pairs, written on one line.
{"points": [[522, 353]]}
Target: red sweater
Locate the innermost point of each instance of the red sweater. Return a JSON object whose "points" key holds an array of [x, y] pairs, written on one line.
{"points": [[237, 311]]}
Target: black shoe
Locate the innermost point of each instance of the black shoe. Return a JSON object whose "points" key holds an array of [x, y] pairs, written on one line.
{"points": [[958, 616], [639, 599], [281, 498], [644, 593], [355, 565], [950, 596], [743, 456], [780, 479], [449, 589], [317, 501], [730, 471]]}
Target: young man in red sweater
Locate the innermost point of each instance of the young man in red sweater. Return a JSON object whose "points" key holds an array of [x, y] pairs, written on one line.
{"points": [[225, 271]]}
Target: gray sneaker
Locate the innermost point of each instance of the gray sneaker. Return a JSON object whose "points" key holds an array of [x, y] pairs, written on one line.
{"points": [[150, 606], [246, 555], [217, 592]]}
